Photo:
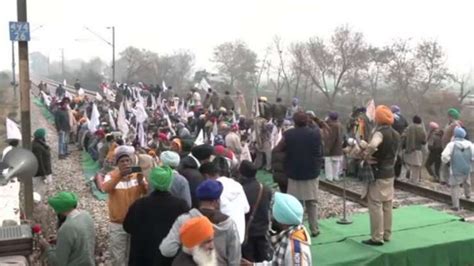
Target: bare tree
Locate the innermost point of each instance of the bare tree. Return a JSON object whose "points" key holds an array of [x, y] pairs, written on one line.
{"points": [[377, 68], [431, 70], [327, 65], [402, 68], [236, 62], [462, 81]]}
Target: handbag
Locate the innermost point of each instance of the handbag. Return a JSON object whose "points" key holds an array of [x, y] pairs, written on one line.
{"points": [[366, 172], [254, 210]]}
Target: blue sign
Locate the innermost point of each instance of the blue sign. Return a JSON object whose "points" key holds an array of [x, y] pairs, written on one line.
{"points": [[19, 31]]}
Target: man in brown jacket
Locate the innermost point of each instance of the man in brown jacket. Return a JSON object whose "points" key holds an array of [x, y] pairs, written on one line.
{"points": [[332, 136], [124, 188]]}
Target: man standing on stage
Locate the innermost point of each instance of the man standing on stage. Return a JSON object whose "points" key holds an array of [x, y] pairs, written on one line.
{"points": [[381, 153]]}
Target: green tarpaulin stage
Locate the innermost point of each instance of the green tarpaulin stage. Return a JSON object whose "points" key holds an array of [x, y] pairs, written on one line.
{"points": [[421, 236]]}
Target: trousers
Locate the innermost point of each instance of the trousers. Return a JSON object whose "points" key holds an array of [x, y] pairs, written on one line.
{"points": [[332, 167], [434, 159], [380, 219], [455, 191], [119, 245], [415, 172], [265, 155], [63, 142]]}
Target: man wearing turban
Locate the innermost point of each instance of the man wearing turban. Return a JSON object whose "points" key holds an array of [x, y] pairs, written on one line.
{"points": [[150, 218], [180, 186], [124, 187], [413, 141], [453, 122], [292, 244], [75, 244], [227, 242], [197, 236], [459, 153], [381, 154]]}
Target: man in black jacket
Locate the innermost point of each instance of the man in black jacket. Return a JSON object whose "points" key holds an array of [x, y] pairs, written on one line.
{"points": [[42, 153], [399, 124], [149, 219], [256, 246], [189, 168], [61, 120], [303, 156]]}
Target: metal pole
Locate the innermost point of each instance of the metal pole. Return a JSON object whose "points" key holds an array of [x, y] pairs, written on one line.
{"points": [[25, 106], [62, 61], [13, 68], [344, 219], [113, 54]]}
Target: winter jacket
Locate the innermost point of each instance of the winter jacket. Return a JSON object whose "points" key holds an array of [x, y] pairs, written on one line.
{"points": [[333, 138], [399, 123], [279, 111], [42, 153], [189, 168], [75, 244], [148, 221], [434, 140], [228, 103], [459, 153], [180, 188], [226, 237], [61, 120], [261, 220], [215, 101], [414, 138], [278, 167], [184, 259], [302, 147], [234, 203]]}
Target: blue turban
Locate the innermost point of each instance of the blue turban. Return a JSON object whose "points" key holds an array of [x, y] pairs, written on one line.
{"points": [[287, 209], [209, 190], [459, 133], [170, 158]]}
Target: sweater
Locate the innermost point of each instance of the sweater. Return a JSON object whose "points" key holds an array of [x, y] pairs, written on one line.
{"points": [[148, 221], [226, 240], [122, 194], [75, 241]]}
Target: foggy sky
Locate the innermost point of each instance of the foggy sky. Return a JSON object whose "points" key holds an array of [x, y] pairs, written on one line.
{"points": [[164, 26]]}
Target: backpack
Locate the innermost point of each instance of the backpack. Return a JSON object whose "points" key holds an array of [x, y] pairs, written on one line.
{"points": [[461, 161]]}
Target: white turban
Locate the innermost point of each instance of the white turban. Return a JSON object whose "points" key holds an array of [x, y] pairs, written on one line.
{"points": [[170, 158]]}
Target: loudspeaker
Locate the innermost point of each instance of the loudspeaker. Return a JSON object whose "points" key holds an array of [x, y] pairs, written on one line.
{"points": [[21, 163]]}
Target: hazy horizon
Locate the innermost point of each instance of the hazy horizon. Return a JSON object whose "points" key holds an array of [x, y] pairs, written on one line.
{"points": [[199, 26]]}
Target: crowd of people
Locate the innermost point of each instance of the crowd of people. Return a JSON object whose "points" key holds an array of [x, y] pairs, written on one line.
{"points": [[181, 173]]}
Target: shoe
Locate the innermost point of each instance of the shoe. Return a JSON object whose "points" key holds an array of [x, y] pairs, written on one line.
{"points": [[315, 234], [456, 209], [386, 240], [372, 243]]}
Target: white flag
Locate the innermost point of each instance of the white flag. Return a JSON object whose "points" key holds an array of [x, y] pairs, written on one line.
{"points": [[122, 121], [94, 122], [200, 138], [13, 131], [98, 97], [203, 85], [153, 102], [170, 125], [371, 110], [164, 86], [141, 114], [64, 82], [214, 132], [141, 135], [112, 120]]}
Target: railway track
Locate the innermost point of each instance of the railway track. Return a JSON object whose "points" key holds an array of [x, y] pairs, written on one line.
{"points": [[405, 194]]}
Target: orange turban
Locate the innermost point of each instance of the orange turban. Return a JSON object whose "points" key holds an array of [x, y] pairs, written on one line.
{"points": [[178, 143], [195, 231], [383, 115]]}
